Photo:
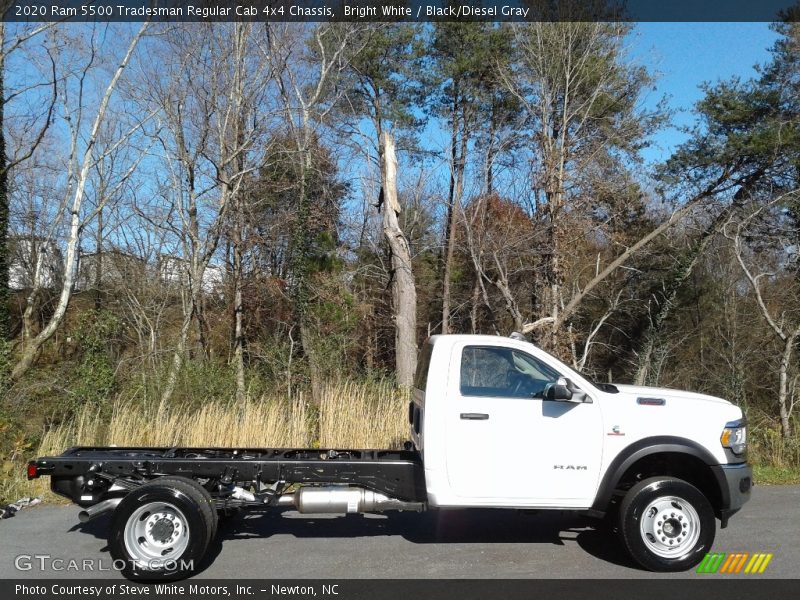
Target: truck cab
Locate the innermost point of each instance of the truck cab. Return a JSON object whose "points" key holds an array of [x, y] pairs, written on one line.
{"points": [[501, 423]]}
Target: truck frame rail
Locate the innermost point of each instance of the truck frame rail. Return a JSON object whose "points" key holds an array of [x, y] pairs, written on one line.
{"points": [[86, 475]]}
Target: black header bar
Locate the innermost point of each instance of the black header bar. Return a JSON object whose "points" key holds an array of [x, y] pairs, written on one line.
{"points": [[177, 11]]}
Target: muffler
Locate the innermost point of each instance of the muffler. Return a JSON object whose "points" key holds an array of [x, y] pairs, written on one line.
{"points": [[87, 514], [344, 500]]}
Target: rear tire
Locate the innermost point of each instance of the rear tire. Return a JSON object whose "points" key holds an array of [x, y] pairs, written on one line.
{"points": [[666, 524], [209, 507], [160, 531]]}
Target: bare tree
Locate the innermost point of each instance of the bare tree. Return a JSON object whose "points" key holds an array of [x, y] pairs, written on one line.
{"points": [[213, 121], [36, 128], [783, 320], [77, 220], [580, 100]]}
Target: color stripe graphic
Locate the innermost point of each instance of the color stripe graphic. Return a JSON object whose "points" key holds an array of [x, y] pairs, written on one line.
{"points": [[733, 563]]}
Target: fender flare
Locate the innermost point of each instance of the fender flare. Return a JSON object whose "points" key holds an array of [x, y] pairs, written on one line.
{"points": [[647, 447]]}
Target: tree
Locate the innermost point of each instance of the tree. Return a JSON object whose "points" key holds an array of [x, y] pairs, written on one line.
{"points": [[466, 59], [404, 291], [380, 84], [214, 119], [783, 317], [22, 154], [749, 133], [580, 98], [76, 219], [308, 69]]}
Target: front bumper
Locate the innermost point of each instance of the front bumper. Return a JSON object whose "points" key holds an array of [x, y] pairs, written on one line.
{"points": [[735, 483]]}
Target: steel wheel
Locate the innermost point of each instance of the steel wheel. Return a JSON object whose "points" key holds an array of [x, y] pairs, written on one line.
{"points": [[669, 526], [156, 532], [666, 524]]}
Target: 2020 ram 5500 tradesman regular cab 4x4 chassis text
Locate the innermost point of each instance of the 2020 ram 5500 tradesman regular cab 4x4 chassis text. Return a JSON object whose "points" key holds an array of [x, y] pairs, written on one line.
{"points": [[495, 423]]}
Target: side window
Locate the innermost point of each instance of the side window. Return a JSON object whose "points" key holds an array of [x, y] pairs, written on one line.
{"points": [[504, 373], [421, 376]]}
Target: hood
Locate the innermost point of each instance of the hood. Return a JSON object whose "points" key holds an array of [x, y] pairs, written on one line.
{"points": [[667, 393]]}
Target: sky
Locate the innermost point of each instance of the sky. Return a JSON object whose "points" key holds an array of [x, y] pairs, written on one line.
{"points": [[684, 55]]}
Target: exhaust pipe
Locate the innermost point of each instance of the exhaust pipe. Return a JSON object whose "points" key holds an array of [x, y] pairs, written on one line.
{"points": [[87, 514], [344, 500]]}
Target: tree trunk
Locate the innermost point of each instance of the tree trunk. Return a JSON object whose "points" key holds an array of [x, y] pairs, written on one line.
{"points": [[404, 293], [572, 306], [490, 152], [238, 305], [476, 299], [98, 264], [5, 293], [238, 275], [177, 359], [458, 151], [783, 387]]}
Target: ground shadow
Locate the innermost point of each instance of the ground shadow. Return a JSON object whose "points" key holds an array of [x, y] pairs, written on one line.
{"points": [[481, 526]]}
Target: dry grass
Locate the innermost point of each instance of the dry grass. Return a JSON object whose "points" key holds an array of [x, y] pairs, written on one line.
{"points": [[349, 415], [354, 415]]}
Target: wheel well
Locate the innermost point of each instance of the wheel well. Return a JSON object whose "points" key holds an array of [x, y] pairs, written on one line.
{"points": [[674, 464]]}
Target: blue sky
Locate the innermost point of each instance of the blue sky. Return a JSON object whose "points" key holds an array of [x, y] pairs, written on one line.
{"points": [[687, 54]]}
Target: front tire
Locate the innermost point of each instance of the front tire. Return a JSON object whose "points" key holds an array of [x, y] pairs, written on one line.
{"points": [[160, 531], [666, 524]]}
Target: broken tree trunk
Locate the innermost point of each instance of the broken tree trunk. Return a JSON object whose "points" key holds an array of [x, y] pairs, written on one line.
{"points": [[404, 293]]}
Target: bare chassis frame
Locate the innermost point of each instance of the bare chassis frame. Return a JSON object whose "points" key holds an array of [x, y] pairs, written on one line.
{"points": [[87, 475]]}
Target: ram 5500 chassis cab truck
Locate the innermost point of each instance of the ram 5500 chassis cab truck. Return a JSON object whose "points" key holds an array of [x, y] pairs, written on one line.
{"points": [[495, 423]]}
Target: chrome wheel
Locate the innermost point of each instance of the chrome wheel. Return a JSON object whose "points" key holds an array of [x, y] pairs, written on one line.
{"points": [[670, 526], [155, 533]]}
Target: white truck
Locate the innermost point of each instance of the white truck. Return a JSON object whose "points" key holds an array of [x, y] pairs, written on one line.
{"points": [[495, 423]]}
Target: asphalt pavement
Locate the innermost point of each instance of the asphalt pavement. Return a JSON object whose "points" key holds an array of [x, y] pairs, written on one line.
{"points": [[437, 544]]}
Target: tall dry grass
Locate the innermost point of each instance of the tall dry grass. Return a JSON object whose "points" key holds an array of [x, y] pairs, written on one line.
{"points": [[357, 415], [349, 415]]}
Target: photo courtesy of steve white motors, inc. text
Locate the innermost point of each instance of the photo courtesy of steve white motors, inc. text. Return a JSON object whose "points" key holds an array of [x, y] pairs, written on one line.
{"points": [[174, 589]]}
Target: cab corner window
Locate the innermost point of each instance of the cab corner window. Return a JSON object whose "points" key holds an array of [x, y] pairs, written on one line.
{"points": [[503, 372], [421, 376]]}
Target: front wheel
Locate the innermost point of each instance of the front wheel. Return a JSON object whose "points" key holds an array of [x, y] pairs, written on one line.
{"points": [[666, 524]]}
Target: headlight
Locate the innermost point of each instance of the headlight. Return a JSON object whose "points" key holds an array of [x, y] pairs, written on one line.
{"points": [[734, 436]]}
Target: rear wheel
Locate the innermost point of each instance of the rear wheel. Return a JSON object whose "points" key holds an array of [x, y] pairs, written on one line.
{"points": [[666, 524], [208, 506], [160, 531]]}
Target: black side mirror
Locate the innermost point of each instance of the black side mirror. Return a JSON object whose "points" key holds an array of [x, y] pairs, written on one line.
{"points": [[557, 391]]}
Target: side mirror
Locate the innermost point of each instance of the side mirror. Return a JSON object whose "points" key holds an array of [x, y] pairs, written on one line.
{"points": [[557, 391]]}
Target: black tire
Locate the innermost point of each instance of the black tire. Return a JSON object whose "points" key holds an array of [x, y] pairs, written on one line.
{"points": [[166, 495], [209, 507], [666, 524]]}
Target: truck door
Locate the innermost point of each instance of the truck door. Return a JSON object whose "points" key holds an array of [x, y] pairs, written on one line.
{"points": [[507, 445]]}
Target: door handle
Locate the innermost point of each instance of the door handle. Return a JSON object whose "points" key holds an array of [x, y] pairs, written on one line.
{"points": [[474, 416]]}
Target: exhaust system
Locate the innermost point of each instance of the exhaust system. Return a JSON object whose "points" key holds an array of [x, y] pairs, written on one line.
{"points": [[341, 499], [87, 514]]}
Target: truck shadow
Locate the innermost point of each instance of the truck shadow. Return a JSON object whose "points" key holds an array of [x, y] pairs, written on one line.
{"points": [[467, 526]]}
